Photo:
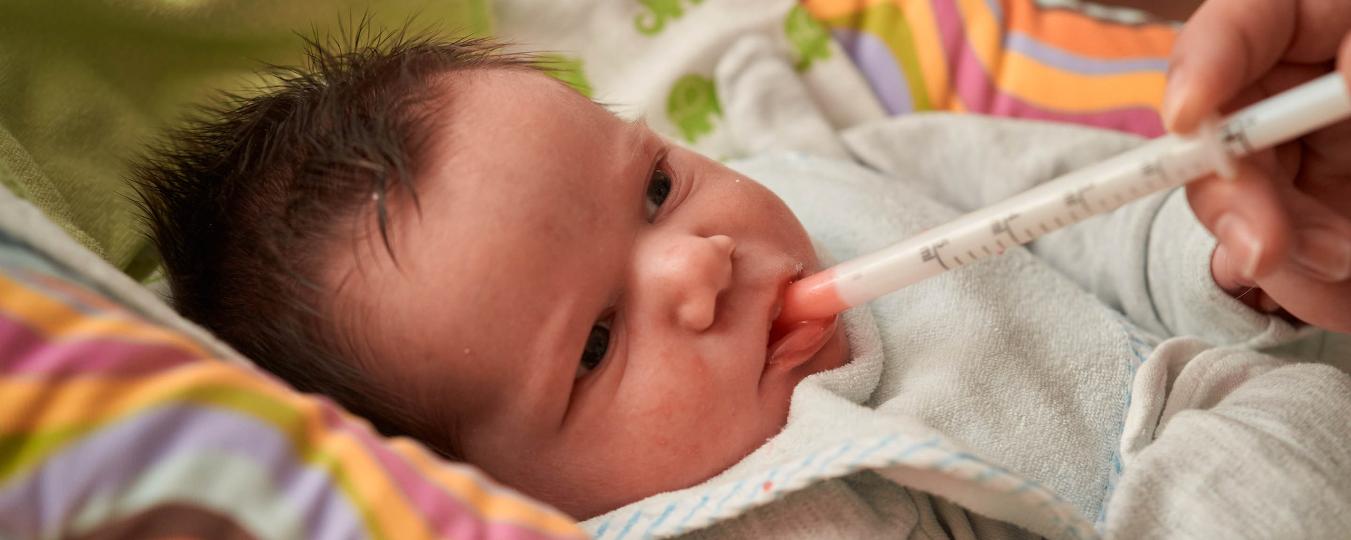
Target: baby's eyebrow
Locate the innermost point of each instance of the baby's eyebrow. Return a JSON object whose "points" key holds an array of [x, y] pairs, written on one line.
{"points": [[638, 132]]}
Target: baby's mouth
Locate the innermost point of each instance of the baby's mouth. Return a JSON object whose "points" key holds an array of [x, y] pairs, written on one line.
{"points": [[793, 343]]}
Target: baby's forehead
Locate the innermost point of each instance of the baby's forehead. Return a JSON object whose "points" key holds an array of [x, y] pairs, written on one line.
{"points": [[502, 116], [519, 157], [526, 89]]}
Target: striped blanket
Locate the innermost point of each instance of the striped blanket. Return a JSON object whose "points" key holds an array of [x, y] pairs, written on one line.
{"points": [[1092, 66], [114, 427]]}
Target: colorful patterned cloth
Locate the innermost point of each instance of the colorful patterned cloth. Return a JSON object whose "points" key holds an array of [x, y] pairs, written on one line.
{"points": [[1007, 58], [114, 427]]}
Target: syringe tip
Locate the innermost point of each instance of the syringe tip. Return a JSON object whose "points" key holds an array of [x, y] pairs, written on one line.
{"points": [[814, 297]]}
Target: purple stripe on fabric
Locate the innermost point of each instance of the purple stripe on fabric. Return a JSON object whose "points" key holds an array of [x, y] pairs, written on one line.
{"points": [[996, 10], [443, 512], [879, 66], [111, 459], [980, 95], [73, 295], [29, 353], [1063, 60]]}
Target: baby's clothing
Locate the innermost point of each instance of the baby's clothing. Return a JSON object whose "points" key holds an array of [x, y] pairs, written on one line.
{"points": [[1043, 388]]}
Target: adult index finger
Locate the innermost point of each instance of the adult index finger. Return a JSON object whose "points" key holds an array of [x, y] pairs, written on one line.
{"points": [[1222, 49], [1246, 215], [1344, 59]]}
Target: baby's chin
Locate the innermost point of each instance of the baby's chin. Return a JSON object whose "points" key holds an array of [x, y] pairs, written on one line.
{"points": [[833, 355]]}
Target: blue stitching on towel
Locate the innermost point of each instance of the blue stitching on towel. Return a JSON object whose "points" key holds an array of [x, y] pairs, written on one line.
{"points": [[703, 499], [828, 462], [625, 531], [600, 531], [985, 475], [800, 466], [953, 458], [931, 443], [1134, 344], [735, 489], [876, 447], [669, 508]]}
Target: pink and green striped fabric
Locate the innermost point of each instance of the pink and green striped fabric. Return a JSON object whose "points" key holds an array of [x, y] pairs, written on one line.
{"points": [[111, 427], [1005, 58]]}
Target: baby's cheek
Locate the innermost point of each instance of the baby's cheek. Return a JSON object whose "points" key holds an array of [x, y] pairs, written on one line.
{"points": [[682, 404]]}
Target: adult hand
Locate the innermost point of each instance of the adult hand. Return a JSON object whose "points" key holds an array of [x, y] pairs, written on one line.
{"points": [[1284, 224]]}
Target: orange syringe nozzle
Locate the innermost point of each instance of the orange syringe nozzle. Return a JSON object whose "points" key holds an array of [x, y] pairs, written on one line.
{"points": [[814, 297]]}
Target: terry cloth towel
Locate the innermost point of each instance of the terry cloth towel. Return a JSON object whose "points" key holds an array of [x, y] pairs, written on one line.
{"points": [[999, 395], [992, 401]]}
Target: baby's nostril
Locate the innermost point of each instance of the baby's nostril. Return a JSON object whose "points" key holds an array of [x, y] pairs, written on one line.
{"points": [[697, 314]]}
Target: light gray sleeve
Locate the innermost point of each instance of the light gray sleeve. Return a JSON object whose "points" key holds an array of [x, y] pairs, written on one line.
{"points": [[1149, 259], [1246, 446]]}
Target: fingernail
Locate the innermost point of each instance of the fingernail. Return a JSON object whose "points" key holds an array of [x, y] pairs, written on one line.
{"points": [[1323, 254], [1172, 99], [1245, 249], [1224, 259]]}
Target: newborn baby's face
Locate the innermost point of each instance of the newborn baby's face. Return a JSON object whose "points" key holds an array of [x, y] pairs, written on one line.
{"points": [[585, 306]]}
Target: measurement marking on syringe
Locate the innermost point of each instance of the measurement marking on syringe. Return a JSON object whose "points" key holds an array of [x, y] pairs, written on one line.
{"points": [[1059, 223], [930, 253], [971, 254], [1235, 133], [986, 249]]}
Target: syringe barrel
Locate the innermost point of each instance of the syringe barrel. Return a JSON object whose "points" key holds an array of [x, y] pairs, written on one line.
{"points": [[1020, 219], [1285, 116], [1163, 163]]}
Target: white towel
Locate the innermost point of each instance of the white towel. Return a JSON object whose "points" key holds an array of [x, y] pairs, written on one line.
{"points": [[1004, 389]]}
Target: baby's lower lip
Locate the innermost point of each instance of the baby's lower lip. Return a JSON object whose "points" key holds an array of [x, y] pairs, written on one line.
{"points": [[798, 340]]}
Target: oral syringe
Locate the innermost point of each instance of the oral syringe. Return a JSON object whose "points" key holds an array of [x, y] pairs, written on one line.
{"points": [[1163, 163]]}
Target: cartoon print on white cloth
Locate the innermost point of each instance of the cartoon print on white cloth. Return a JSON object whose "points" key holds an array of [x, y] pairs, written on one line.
{"points": [[809, 39], [692, 105], [653, 21], [567, 69]]}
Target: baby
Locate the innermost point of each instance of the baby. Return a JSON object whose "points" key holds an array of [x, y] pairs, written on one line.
{"points": [[465, 251]]}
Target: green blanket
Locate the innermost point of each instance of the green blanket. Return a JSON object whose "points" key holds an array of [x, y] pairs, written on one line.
{"points": [[86, 85]]}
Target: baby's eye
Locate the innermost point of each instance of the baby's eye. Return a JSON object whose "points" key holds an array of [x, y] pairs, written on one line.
{"points": [[597, 344], [658, 188]]}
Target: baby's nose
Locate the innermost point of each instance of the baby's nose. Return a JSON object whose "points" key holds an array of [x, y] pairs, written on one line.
{"points": [[702, 270]]}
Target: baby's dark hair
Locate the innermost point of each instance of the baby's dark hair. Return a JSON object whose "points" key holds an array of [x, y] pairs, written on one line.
{"points": [[246, 201]]}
